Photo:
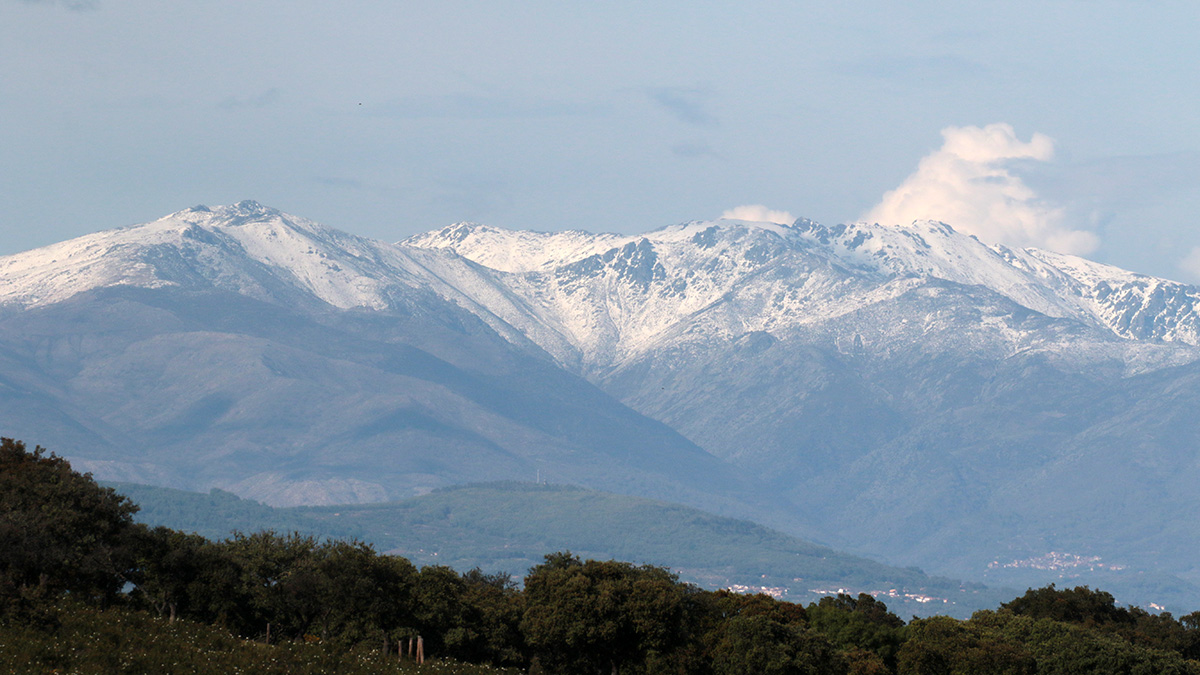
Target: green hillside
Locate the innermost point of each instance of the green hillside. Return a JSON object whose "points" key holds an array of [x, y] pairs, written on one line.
{"points": [[509, 527]]}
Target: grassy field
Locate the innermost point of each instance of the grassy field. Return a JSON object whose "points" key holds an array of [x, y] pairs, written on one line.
{"points": [[81, 640]]}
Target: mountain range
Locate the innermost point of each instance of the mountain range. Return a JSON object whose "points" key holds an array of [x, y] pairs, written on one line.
{"points": [[903, 391]]}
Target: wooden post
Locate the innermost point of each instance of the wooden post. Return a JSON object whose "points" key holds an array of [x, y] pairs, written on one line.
{"points": [[268, 632], [420, 650]]}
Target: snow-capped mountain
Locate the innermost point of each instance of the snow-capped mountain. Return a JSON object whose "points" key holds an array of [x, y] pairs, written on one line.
{"points": [[903, 390], [194, 247], [913, 389], [251, 250], [243, 348], [608, 297], [613, 297]]}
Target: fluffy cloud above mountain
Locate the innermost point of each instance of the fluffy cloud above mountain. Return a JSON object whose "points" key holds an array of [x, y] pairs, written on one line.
{"points": [[969, 183]]}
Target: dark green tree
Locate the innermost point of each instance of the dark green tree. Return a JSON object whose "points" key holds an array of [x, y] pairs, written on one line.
{"points": [[368, 595], [59, 531], [1098, 610], [1079, 605], [441, 615], [170, 565], [601, 617], [494, 608], [279, 590], [218, 594], [1062, 648], [759, 644], [945, 646], [728, 604], [859, 623]]}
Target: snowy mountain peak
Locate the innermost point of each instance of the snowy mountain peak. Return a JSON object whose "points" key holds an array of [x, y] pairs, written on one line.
{"points": [[245, 247], [514, 251], [246, 208], [614, 296], [601, 299]]}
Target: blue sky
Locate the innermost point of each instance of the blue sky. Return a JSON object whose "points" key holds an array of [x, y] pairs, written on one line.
{"points": [[387, 118]]}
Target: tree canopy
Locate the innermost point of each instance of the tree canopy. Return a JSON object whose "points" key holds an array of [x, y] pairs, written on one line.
{"points": [[59, 530], [67, 544]]}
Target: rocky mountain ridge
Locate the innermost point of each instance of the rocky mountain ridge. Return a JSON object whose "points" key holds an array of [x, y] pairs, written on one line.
{"points": [[640, 287], [242, 348], [603, 296]]}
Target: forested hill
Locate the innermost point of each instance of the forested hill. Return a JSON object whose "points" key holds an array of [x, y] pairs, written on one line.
{"points": [[85, 589], [509, 527]]}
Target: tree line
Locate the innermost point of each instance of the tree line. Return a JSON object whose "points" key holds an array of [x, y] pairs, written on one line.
{"points": [[69, 546]]}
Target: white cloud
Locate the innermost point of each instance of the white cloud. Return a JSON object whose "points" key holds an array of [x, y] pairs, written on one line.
{"points": [[1190, 265], [967, 184], [759, 214]]}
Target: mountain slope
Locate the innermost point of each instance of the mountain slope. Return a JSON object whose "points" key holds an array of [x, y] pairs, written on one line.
{"points": [[612, 296], [911, 389], [242, 348]]}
